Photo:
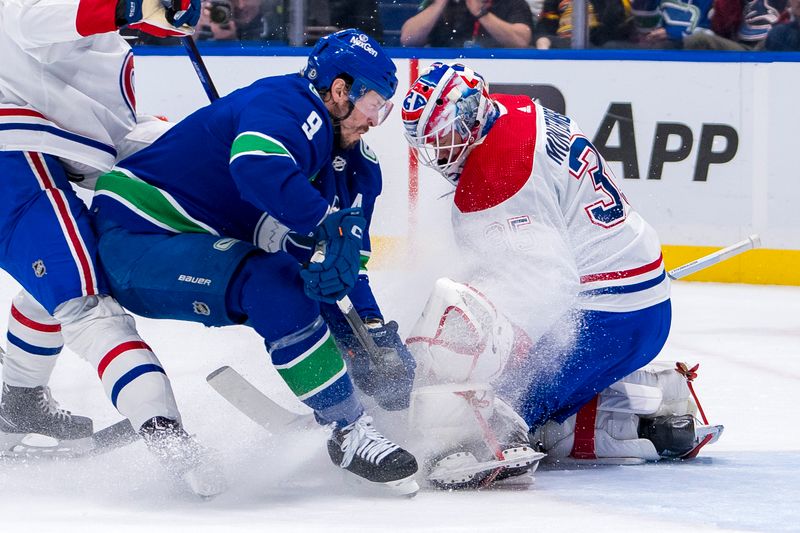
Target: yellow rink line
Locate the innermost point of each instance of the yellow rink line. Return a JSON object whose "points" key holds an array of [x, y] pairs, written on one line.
{"points": [[770, 267]]}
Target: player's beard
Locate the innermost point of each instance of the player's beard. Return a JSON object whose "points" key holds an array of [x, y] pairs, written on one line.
{"points": [[349, 138]]}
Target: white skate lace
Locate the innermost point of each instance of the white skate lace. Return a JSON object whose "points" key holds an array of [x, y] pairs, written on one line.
{"points": [[48, 404], [364, 440]]}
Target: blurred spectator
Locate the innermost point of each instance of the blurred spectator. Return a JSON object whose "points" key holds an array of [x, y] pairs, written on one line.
{"points": [[360, 14], [457, 23], [328, 16], [786, 37], [609, 22], [738, 25], [663, 24], [246, 20]]}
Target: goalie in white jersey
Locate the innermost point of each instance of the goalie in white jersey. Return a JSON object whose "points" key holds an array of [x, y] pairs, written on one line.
{"points": [[68, 113], [531, 189]]}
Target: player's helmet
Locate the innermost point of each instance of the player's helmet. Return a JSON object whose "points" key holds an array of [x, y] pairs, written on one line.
{"points": [[359, 56], [444, 113]]}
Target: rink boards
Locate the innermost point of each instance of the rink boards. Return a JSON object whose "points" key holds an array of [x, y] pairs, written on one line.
{"points": [[702, 148]]}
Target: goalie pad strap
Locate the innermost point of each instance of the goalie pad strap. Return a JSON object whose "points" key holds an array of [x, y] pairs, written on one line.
{"points": [[583, 445]]}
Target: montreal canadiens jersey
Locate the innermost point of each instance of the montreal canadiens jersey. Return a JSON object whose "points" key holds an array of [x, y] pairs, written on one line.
{"points": [[537, 187], [66, 80]]}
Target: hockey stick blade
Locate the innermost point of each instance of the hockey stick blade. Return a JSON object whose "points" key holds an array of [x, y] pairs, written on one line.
{"points": [[251, 402], [753, 241]]}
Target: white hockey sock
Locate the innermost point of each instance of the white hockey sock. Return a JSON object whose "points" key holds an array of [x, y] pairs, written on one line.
{"points": [[34, 343], [97, 328]]}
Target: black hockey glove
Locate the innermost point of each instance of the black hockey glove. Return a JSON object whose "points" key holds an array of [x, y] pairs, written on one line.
{"points": [[387, 376], [333, 270]]}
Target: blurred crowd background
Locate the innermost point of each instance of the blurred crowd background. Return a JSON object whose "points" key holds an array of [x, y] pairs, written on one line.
{"points": [[738, 25]]}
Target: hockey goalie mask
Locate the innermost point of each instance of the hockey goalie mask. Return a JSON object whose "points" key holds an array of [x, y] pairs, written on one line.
{"points": [[443, 114]]}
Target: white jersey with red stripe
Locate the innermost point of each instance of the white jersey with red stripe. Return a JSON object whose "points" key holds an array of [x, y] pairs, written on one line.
{"points": [[535, 186], [66, 82]]}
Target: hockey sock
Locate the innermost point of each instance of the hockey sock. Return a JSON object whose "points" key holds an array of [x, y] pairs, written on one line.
{"points": [[97, 328], [311, 364], [34, 343]]}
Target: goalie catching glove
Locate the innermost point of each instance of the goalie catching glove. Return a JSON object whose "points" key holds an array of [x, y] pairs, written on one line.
{"points": [[168, 18], [333, 269]]}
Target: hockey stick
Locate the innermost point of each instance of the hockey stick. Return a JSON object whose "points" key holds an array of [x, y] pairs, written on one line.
{"points": [[753, 241], [250, 401], [200, 68]]}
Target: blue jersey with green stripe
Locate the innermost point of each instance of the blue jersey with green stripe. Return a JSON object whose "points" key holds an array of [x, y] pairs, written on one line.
{"points": [[223, 168]]}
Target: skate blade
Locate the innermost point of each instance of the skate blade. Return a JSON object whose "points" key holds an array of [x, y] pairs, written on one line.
{"points": [[406, 487], [704, 435], [35, 446]]}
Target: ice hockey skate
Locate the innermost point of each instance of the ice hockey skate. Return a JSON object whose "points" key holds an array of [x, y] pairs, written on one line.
{"points": [[362, 450], [183, 457], [678, 437], [32, 425]]}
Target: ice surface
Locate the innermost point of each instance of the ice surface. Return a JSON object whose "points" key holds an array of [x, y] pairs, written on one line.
{"points": [[746, 339]]}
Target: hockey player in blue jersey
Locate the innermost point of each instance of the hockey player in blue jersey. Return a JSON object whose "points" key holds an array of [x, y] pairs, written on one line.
{"points": [[356, 181], [193, 238]]}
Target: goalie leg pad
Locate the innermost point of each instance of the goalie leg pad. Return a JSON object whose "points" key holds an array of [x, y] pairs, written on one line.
{"points": [[461, 336]]}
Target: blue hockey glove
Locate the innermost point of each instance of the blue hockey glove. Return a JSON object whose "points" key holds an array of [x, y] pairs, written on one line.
{"points": [[333, 269], [387, 376]]}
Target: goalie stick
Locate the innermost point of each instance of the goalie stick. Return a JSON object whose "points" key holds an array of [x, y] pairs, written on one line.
{"points": [[753, 241]]}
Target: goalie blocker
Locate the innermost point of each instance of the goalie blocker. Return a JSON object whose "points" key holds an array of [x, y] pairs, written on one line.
{"points": [[462, 344]]}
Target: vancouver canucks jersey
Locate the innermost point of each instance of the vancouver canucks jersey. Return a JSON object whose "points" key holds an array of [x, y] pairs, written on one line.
{"points": [[352, 180], [223, 169]]}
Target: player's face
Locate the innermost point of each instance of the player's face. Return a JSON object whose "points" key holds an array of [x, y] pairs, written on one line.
{"points": [[368, 111], [352, 128]]}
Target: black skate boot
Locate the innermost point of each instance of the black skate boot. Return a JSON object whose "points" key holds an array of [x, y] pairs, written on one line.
{"points": [[360, 449], [25, 410], [673, 436], [183, 457]]}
